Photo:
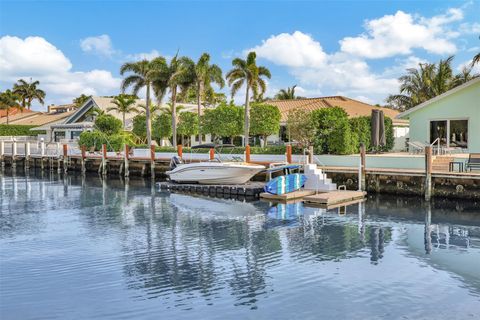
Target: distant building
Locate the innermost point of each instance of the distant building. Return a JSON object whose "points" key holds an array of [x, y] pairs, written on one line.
{"points": [[452, 117], [352, 107]]}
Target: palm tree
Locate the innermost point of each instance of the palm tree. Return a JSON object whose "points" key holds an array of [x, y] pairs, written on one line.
{"points": [[426, 82], [28, 91], [169, 109], [246, 72], [205, 75], [144, 73], [179, 75], [8, 100], [124, 103], [80, 100], [286, 94]]}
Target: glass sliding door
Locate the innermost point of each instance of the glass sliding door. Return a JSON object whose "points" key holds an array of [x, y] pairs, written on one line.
{"points": [[438, 129], [459, 134]]}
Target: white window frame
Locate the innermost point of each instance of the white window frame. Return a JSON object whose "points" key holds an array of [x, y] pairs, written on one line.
{"points": [[448, 127]]}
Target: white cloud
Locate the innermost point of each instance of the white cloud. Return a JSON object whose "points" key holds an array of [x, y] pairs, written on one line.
{"points": [[294, 50], [35, 57], [401, 33], [144, 55], [100, 45]]}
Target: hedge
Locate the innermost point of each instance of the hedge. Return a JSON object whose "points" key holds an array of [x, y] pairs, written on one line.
{"points": [[96, 139], [226, 151], [18, 130]]}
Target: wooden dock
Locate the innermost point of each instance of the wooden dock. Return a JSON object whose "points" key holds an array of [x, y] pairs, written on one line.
{"points": [[334, 197], [296, 195]]}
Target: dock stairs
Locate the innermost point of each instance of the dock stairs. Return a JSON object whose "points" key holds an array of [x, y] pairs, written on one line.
{"points": [[317, 180]]}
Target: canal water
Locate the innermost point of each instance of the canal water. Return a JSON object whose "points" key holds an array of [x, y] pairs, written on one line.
{"points": [[83, 248]]}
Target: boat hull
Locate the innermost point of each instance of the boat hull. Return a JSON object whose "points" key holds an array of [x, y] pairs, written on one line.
{"points": [[214, 173]]}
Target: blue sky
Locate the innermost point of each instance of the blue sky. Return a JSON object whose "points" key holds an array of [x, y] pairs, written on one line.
{"points": [[352, 48]]}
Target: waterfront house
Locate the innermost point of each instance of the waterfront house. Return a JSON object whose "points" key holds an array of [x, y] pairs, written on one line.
{"points": [[451, 119], [352, 107]]}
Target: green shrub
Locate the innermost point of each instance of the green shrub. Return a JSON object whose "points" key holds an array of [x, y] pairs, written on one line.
{"points": [[333, 134], [97, 138], [264, 121], [362, 132], [18, 130], [140, 126], [108, 124], [162, 127]]}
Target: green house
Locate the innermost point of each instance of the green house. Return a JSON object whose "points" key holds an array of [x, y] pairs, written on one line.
{"points": [[451, 119]]}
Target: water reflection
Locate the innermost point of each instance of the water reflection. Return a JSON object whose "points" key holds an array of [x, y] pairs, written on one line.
{"points": [[185, 251]]}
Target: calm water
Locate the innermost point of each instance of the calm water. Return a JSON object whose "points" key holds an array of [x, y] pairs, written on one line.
{"points": [[83, 249]]}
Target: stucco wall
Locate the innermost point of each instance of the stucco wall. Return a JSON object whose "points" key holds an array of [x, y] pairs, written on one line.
{"points": [[464, 104]]}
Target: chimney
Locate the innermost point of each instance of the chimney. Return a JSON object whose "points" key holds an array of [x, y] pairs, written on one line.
{"points": [[49, 108]]}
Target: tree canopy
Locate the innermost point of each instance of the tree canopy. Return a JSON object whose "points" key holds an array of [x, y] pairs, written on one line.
{"points": [[265, 120], [223, 121]]}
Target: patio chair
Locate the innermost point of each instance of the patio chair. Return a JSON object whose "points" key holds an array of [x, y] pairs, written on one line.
{"points": [[473, 162]]}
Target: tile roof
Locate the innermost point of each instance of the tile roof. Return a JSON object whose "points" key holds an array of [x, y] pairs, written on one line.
{"points": [[36, 118], [353, 108], [13, 111]]}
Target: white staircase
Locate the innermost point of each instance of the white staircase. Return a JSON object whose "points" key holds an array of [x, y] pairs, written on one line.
{"points": [[316, 179]]}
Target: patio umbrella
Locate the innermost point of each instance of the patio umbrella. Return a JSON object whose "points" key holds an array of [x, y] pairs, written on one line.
{"points": [[375, 126], [381, 129]]}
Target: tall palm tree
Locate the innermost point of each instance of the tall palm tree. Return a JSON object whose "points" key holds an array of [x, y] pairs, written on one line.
{"points": [[428, 81], [205, 75], [246, 72], [9, 100], [124, 103], [143, 74], [476, 59], [28, 91], [80, 100], [178, 76], [286, 94]]}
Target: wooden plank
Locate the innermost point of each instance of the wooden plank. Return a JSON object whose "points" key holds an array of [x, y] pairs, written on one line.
{"points": [[333, 206], [334, 197], [287, 196]]}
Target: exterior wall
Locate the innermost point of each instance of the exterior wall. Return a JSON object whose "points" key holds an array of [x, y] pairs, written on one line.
{"points": [[400, 135], [464, 104]]}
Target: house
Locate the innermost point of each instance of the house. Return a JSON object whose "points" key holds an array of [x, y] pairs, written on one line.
{"points": [[451, 119], [352, 107], [41, 120]]}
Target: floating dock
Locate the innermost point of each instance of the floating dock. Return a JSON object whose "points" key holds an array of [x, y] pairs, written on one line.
{"points": [[295, 195], [332, 198], [251, 189]]}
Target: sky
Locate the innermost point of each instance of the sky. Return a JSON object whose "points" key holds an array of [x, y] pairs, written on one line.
{"points": [[353, 48]]}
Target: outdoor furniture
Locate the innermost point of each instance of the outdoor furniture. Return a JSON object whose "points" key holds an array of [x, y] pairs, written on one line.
{"points": [[451, 166], [473, 162]]}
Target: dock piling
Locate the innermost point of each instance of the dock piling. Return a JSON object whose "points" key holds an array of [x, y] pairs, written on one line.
{"points": [[289, 154], [126, 161], [14, 154], [152, 161], [247, 153], [362, 172], [2, 153], [27, 155], [428, 173], [65, 158], [82, 159], [104, 159], [180, 151], [212, 153]]}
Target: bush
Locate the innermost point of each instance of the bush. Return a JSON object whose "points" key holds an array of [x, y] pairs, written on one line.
{"points": [[18, 130], [162, 127], [333, 134], [140, 126], [264, 121], [108, 124], [97, 138], [362, 131]]}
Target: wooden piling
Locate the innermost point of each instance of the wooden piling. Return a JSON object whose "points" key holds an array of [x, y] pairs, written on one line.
{"points": [[428, 173], [42, 154], [212, 153], [82, 160], [65, 158], [2, 153], [27, 155], [104, 159], [152, 160], [289, 154], [310, 154], [362, 178], [180, 151], [126, 161], [247, 153]]}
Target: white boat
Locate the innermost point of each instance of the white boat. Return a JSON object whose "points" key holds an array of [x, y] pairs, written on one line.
{"points": [[213, 171]]}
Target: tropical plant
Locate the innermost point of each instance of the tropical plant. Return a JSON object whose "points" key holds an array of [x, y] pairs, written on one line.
{"points": [[95, 139], [80, 100], [205, 75], [168, 109], [246, 72], [333, 133], [265, 121], [124, 103], [300, 127], [108, 124], [138, 127], [161, 127], [476, 59], [188, 125], [286, 94], [143, 74], [426, 82], [9, 100], [223, 121], [28, 91]]}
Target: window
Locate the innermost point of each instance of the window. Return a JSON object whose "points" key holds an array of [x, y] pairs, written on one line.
{"points": [[59, 135], [451, 133], [75, 134], [459, 133]]}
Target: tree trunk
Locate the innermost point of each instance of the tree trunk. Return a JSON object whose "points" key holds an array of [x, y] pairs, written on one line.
{"points": [[247, 117], [264, 141], [174, 117], [199, 105], [123, 121], [147, 116], [8, 115]]}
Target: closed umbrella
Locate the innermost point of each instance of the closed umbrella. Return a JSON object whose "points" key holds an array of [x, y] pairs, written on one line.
{"points": [[381, 128], [375, 126]]}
